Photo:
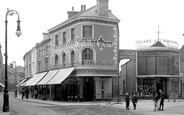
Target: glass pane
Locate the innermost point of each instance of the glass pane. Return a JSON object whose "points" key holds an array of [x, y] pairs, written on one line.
{"points": [[161, 65], [87, 31], [176, 66], [151, 65], [142, 66], [171, 66]]}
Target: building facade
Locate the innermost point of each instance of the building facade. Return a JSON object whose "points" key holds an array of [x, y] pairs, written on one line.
{"points": [[79, 61], [157, 67]]}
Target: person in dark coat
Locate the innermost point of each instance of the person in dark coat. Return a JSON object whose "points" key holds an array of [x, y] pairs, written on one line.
{"points": [[155, 99], [134, 100], [161, 100], [127, 100]]}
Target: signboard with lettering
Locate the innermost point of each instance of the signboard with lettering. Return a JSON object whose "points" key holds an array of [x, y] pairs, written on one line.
{"points": [[127, 54], [149, 43]]}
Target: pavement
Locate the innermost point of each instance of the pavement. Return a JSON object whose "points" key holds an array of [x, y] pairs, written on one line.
{"points": [[144, 107]]}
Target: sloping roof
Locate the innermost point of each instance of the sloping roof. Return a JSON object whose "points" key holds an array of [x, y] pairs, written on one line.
{"points": [[91, 12], [158, 44]]}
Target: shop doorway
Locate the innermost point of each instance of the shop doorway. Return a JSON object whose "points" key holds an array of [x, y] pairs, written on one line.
{"points": [[88, 88], [161, 84]]}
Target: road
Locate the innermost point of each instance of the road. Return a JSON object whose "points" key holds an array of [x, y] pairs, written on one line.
{"points": [[21, 107]]}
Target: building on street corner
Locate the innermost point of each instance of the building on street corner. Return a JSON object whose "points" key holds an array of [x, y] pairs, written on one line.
{"points": [[77, 59]]}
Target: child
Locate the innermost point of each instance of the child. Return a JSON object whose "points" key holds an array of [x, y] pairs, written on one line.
{"points": [[134, 100], [127, 100]]}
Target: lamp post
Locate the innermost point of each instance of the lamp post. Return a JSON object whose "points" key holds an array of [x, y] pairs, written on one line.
{"points": [[15, 86], [18, 33]]}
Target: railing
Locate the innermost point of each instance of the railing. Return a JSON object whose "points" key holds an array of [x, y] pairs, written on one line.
{"points": [[84, 63]]}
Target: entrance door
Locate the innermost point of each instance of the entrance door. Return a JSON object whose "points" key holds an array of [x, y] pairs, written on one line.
{"points": [[88, 88], [161, 84]]}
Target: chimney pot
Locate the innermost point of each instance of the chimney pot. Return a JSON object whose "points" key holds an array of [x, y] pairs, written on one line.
{"points": [[84, 7], [81, 8]]}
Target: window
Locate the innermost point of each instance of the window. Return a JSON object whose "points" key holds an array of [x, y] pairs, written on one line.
{"points": [[87, 31], [87, 54], [64, 37], [56, 40], [72, 57], [56, 61], [72, 33], [46, 49], [64, 58]]}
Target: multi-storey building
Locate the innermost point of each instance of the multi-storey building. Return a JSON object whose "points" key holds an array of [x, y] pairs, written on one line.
{"points": [[27, 64], [79, 59], [156, 66]]}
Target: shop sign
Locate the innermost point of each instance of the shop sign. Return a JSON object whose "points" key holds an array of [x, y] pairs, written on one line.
{"points": [[127, 54], [157, 53], [100, 43], [149, 43]]}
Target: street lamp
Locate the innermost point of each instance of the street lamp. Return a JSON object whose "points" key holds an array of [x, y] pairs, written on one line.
{"points": [[18, 33], [15, 86]]}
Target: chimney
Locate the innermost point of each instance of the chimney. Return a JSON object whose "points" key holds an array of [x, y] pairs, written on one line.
{"points": [[72, 13], [84, 7], [81, 8], [46, 36], [102, 7]]}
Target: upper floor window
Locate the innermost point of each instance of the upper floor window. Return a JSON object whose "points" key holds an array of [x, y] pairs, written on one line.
{"points": [[64, 58], [87, 54], [72, 33], [56, 40], [56, 61], [46, 49], [64, 37], [39, 52], [72, 56], [87, 31]]}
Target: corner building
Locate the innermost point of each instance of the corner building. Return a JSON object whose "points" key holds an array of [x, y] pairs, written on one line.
{"points": [[84, 49]]}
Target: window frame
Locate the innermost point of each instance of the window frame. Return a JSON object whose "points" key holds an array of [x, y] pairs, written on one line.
{"points": [[72, 34], [56, 40], [92, 29], [64, 37]]}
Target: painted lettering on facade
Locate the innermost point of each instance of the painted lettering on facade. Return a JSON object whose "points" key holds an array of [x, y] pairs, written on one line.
{"points": [[100, 43], [127, 54], [157, 53]]}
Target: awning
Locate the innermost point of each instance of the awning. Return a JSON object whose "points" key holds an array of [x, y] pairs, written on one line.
{"points": [[2, 85], [24, 80], [31, 80], [47, 78], [38, 78], [24, 83], [61, 76]]}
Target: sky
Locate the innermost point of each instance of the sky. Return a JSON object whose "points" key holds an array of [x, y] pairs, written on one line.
{"points": [[139, 20]]}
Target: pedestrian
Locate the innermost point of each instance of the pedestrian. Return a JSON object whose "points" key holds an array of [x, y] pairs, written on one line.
{"points": [[127, 100], [134, 100], [155, 99], [23, 93], [27, 93], [161, 100], [171, 96]]}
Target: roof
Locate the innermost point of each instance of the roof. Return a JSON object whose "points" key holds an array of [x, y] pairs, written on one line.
{"points": [[158, 44], [91, 12]]}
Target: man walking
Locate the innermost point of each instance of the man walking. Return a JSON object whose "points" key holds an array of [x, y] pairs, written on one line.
{"points": [[127, 100], [161, 100], [134, 100]]}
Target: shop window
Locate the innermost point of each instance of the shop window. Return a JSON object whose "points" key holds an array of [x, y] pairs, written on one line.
{"points": [[151, 65], [171, 66], [87, 31], [176, 66], [142, 66], [162, 65]]}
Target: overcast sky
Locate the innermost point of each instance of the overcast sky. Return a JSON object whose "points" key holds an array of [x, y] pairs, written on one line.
{"points": [[139, 21]]}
